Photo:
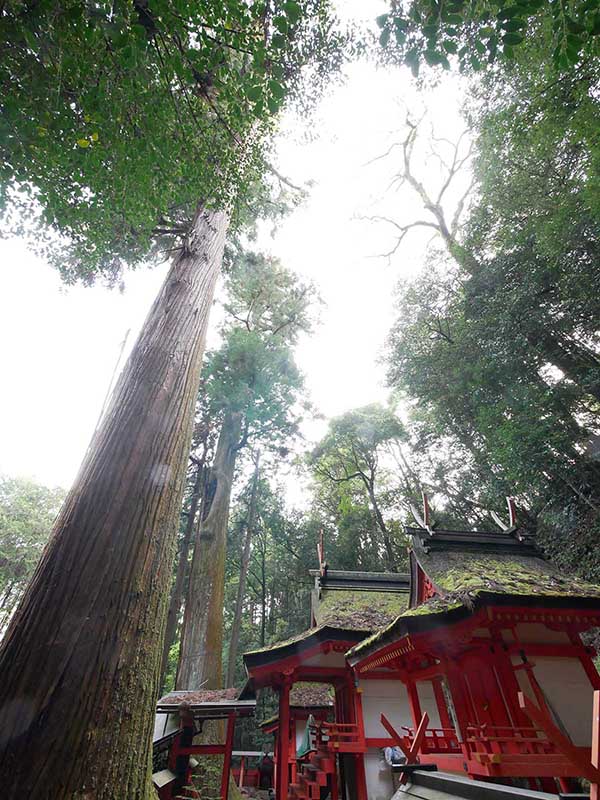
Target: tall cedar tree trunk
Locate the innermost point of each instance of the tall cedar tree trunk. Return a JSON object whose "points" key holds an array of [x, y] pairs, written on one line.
{"points": [[80, 662], [201, 657], [182, 562], [241, 590], [387, 542]]}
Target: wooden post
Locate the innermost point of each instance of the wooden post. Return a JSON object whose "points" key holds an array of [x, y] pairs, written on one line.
{"points": [[441, 703], [594, 792], [361, 778], [242, 771], [415, 703], [281, 791], [227, 756]]}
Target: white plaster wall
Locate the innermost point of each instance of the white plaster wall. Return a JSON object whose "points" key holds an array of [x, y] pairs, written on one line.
{"points": [[537, 633], [569, 693], [389, 697], [378, 776], [428, 703]]}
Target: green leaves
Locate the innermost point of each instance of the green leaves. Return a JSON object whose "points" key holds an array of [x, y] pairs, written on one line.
{"points": [[185, 94], [481, 33]]}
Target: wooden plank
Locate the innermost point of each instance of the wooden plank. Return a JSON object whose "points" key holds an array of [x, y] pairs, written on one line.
{"points": [[595, 755], [396, 738], [559, 740]]}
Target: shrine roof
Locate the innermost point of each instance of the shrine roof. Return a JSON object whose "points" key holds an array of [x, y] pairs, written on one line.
{"points": [[302, 641], [470, 569], [359, 610], [311, 695], [467, 574], [201, 696], [208, 703]]}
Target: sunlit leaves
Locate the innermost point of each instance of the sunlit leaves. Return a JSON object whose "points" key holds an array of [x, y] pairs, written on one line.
{"points": [[118, 119], [479, 34]]}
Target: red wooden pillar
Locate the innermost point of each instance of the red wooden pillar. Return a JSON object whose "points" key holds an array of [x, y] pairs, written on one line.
{"points": [[359, 761], [595, 755], [415, 703], [361, 778], [227, 756], [281, 790]]}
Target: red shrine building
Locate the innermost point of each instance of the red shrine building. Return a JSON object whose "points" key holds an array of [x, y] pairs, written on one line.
{"points": [[473, 664]]}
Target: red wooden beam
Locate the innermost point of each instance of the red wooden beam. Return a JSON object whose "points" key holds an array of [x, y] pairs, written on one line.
{"points": [[559, 740], [594, 793], [227, 757], [397, 739], [284, 742]]}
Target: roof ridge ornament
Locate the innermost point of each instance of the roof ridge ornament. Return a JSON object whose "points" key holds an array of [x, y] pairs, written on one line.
{"points": [[321, 555], [423, 521], [513, 525]]}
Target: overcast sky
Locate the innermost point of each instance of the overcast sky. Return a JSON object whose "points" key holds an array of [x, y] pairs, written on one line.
{"points": [[60, 345]]}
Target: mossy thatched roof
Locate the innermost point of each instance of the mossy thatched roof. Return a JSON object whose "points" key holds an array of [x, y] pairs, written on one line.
{"points": [[311, 695], [465, 578], [359, 610], [464, 574], [200, 696]]}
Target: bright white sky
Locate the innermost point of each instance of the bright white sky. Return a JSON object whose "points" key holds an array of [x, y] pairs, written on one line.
{"points": [[60, 345]]}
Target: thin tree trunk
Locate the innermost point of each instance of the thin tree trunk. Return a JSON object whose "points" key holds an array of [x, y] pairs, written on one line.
{"points": [[387, 542], [201, 657], [182, 562], [241, 590], [80, 662], [263, 618]]}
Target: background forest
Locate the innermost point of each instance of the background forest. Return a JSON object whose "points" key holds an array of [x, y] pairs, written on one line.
{"points": [[492, 365], [492, 360]]}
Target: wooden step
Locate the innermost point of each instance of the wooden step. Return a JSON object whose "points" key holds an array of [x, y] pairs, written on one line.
{"points": [[310, 789], [313, 773]]}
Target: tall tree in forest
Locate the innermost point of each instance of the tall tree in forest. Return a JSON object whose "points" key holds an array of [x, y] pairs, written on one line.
{"points": [[197, 475], [252, 384], [120, 125], [350, 455], [244, 565], [501, 349], [27, 513], [276, 600]]}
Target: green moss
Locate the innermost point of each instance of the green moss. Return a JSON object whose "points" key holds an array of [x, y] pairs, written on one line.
{"points": [[299, 637], [463, 573], [359, 610]]}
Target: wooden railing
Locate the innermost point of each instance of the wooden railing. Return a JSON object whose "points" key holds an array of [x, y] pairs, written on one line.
{"points": [[436, 740], [342, 737], [507, 739]]}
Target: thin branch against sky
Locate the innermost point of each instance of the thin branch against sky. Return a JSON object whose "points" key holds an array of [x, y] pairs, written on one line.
{"points": [[60, 345]]}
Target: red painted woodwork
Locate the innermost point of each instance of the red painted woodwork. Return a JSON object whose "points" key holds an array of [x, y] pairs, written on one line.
{"points": [[595, 754], [227, 756], [283, 740]]}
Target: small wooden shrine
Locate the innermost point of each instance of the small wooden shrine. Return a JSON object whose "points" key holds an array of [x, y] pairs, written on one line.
{"points": [[473, 664], [180, 717]]}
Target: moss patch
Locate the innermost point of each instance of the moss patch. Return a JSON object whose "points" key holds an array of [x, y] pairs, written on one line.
{"points": [[311, 695], [457, 574], [359, 610]]}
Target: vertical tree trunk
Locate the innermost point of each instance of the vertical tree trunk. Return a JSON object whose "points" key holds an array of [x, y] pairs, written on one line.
{"points": [[387, 542], [201, 657], [263, 578], [241, 590], [80, 662], [182, 562]]}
